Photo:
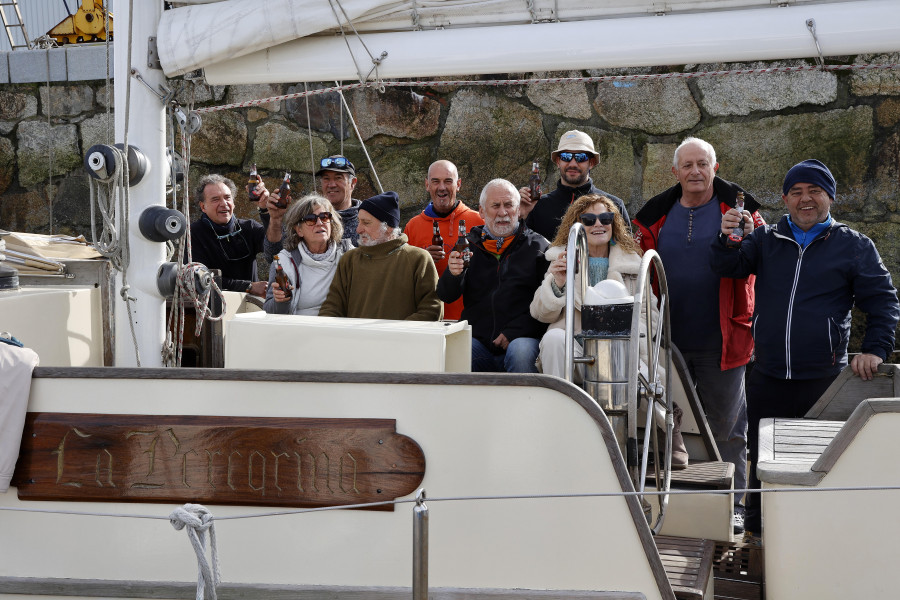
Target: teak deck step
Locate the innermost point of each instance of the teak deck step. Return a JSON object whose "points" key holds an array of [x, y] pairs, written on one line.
{"points": [[714, 475], [689, 564]]}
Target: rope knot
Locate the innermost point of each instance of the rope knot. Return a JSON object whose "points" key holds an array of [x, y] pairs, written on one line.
{"points": [[197, 520]]}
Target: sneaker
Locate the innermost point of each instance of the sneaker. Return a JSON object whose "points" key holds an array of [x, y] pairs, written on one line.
{"points": [[737, 520], [752, 539]]}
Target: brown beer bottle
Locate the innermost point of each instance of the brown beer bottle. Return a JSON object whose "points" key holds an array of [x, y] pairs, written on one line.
{"points": [[252, 182], [282, 280], [534, 184], [462, 245], [737, 234], [436, 239], [284, 192]]}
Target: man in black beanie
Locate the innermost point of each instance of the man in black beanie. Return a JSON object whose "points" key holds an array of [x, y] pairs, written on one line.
{"points": [[810, 271], [385, 277]]}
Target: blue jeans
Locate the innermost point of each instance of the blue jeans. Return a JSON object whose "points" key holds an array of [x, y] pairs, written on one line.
{"points": [[724, 400], [520, 356]]}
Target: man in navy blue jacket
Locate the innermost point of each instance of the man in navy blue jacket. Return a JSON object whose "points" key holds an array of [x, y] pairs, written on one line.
{"points": [[810, 271]]}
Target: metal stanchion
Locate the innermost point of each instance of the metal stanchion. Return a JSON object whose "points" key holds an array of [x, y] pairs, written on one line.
{"points": [[420, 548]]}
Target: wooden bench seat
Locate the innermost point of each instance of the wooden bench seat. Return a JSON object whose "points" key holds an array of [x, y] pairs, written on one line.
{"points": [[689, 565]]}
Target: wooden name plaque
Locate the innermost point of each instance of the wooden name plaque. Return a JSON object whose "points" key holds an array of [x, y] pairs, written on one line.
{"points": [[216, 460]]}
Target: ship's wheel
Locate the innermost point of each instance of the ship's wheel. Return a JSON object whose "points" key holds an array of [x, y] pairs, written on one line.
{"points": [[637, 361]]}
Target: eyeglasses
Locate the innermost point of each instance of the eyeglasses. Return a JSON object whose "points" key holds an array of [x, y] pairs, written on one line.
{"points": [[236, 247], [579, 157], [335, 161], [589, 219], [311, 219]]}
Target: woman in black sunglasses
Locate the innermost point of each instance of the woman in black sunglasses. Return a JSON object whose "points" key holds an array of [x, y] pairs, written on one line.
{"points": [[313, 245], [613, 254]]}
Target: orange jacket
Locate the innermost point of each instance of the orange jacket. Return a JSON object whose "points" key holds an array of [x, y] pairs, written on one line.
{"points": [[419, 230]]}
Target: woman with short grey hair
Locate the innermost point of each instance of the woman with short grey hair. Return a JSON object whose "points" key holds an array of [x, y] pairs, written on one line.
{"points": [[312, 249]]}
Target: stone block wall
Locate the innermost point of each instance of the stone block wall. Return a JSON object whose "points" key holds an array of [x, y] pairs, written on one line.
{"points": [[760, 125]]}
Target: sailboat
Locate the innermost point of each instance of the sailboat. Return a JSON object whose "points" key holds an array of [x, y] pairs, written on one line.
{"points": [[318, 466]]}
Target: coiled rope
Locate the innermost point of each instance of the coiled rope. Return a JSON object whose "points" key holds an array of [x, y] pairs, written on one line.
{"points": [[197, 521], [188, 273], [110, 197]]}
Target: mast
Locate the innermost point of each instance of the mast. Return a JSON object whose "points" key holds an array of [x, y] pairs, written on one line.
{"points": [[146, 131]]}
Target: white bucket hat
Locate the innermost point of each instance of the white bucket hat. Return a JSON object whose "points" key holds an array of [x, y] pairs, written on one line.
{"points": [[574, 141]]}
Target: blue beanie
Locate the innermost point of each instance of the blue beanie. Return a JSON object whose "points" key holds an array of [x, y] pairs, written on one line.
{"points": [[810, 171], [384, 207]]}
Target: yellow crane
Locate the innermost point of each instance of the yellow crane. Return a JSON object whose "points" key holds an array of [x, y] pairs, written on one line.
{"points": [[86, 25]]}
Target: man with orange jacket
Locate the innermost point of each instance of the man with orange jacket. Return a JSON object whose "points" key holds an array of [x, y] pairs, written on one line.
{"points": [[447, 211]]}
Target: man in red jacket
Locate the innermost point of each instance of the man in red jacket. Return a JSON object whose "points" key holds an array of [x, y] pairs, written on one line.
{"points": [[447, 211], [710, 314]]}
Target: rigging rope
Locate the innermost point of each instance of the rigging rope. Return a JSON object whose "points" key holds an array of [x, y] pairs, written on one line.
{"points": [[197, 520], [532, 81], [188, 272]]}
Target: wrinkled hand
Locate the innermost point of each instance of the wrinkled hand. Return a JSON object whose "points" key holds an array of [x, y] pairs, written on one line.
{"points": [[731, 218], [558, 270], [501, 342], [275, 213], [455, 263], [262, 201], [258, 288], [865, 365], [525, 202], [278, 293], [437, 252]]}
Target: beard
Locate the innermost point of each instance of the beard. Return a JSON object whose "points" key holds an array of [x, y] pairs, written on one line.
{"points": [[574, 179], [503, 228]]}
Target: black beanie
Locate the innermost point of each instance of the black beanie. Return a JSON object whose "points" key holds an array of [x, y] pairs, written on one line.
{"points": [[384, 207]]}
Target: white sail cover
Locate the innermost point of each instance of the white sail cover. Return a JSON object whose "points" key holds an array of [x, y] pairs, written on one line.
{"points": [[300, 40]]}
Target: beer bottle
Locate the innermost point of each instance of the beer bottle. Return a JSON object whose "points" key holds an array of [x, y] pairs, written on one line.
{"points": [[462, 245], [284, 192], [737, 234], [282, 280], [252, 182], [534, 184], [436, 239]]}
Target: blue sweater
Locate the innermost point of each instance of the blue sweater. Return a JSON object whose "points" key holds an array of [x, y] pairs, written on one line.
{"points": [[801, 323]]}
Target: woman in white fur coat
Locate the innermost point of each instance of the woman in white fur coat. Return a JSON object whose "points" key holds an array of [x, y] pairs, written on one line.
{"points": [[312, 249], [613, 254]]}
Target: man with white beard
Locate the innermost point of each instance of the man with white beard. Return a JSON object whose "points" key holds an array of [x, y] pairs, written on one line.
{"points": [[385, 277], [507, 265]]}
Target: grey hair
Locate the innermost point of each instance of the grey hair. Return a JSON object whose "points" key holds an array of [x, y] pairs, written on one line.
{"points": [[213, 178], [498, 183], [303, 207], [710, 151]]}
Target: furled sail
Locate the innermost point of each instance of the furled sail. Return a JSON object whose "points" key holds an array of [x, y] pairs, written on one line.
{"points": [[290, 41]]}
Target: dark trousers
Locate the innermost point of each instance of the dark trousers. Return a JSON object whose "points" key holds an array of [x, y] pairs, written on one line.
{"points": [[767, 398]]}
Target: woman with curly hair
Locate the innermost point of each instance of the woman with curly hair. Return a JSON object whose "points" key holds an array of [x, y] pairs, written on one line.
{"points": [[612, 254], [312, 249]]}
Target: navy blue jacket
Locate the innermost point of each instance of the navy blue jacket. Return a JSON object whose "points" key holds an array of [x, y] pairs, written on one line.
{"points": [[547, 214], [497, 293], [801, 324]]}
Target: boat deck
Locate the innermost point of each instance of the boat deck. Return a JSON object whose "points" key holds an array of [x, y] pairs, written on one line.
{"points": [[738, 571]]}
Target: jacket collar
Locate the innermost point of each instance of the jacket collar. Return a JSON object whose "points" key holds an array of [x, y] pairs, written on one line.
{"points": [[384, 249], [660, 205]]}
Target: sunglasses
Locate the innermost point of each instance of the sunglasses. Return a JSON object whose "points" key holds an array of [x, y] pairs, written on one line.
{"points": [[312, 218], [579, 157], [339, 162], [590, 218]]}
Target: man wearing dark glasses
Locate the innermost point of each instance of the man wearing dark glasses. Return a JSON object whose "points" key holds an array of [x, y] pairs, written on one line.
{"points": [[710, 314], [337, 178], [575, 157], [221, 241]]}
